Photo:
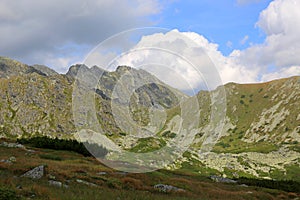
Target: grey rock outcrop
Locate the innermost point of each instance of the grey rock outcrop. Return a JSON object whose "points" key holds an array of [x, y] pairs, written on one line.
{"points": [[55, 183], [11, 160], [167, 188], [35, 173], [86, 183], [220, 179], [45, 70], [11, 145]]}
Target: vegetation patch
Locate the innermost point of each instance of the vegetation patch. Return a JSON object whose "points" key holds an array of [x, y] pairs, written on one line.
{"points": [[288, 185], [169, 134], [50, 157], [148, 144], [8, 194], [63, 144]]}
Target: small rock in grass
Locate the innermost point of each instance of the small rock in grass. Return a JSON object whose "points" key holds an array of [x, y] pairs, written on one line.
{"points": [[51, 177], [85, 182], [55, 183], [12, 159], [167, 188], [102, 173]]}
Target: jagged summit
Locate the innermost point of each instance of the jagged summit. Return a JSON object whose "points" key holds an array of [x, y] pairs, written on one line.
{"points": [[123, 68], [10, 67], [46, 70]]}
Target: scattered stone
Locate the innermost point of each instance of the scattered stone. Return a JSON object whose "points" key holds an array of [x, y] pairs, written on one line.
{"points": [[5, 161], [244, 185], [35, 173], [51, 177], [12, 159], [55, 183], [102, 173], [85, 182], [167, 188], [220, 179], [235, 175], [19, 187], [12, 145]]}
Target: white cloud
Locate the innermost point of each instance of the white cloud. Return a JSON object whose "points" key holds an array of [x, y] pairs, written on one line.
{"points": [[280, 21], [171, 57], [282, 73], [244, 40], [229, 44], [174, 51], [32, 28]]}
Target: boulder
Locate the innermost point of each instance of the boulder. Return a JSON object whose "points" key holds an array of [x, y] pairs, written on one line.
{"points": [[35, 173], [55, 183], [12, 145], [221, 179], [167, 188], [86, 183], [12, 159]]}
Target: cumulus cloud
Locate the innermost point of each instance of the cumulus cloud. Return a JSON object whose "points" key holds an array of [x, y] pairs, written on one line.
{"points": [[280, 21], [244, 40], [186, 60], [37, 31], [189, 61], [52, 32], [282, 73]]}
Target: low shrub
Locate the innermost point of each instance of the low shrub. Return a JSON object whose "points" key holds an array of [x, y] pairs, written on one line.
{"points": [[285, 185], [6, 194]]}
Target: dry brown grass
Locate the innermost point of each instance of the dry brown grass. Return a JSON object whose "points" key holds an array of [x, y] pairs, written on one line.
{"points": [[131, 183], [74, 166], [40, 190]]}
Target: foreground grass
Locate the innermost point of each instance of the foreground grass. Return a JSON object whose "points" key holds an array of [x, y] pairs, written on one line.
{"points": [[68, 166]]}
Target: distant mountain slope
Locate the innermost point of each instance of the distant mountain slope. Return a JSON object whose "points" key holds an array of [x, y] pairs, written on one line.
{"points": [[263, 113]]}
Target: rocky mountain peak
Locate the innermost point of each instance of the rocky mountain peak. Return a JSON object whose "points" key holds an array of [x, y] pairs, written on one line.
{"points": [[73, 70], [123, 68], [9, 68]]}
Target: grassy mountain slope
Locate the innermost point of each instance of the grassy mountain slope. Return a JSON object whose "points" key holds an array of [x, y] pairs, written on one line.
{"points": [[260, 136]]}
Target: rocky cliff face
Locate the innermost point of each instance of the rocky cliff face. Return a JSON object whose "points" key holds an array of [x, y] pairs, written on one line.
{"points": [[35, 100], [32, 102]]}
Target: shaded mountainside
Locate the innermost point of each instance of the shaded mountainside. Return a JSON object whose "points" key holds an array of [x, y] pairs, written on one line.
{"points": [[260, 137]]}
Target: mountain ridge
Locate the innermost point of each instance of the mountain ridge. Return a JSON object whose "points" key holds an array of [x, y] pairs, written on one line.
{"points": [[262, 119]]}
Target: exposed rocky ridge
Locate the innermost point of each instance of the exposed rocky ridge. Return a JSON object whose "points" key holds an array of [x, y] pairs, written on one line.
{"points": [[38, 101], [10, 68], [46, 70]]}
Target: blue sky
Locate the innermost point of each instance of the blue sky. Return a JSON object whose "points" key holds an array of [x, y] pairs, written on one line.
{"points": [[249, 40], [222, 22]]}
